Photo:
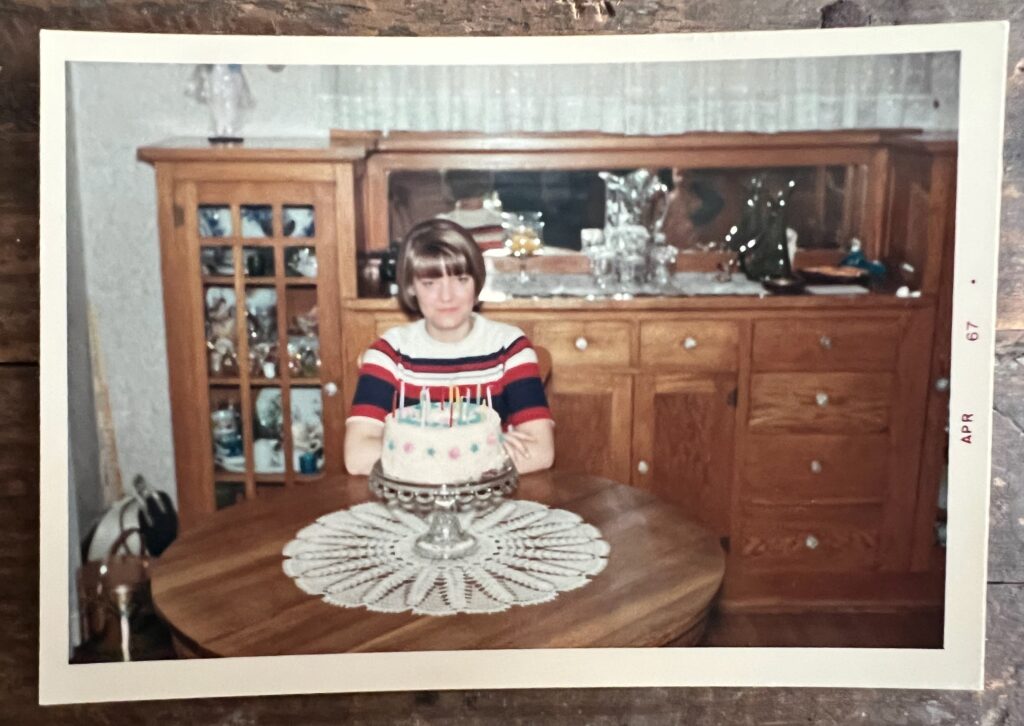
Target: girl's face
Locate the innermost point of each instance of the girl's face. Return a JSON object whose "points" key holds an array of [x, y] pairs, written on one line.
{"points": [[446, 303]]}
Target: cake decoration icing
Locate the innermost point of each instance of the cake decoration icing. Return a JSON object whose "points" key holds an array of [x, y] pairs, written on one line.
{"points": [[433, 443]]}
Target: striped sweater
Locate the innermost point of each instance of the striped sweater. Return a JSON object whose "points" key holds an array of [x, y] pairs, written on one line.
{"points": [[493, 356]]}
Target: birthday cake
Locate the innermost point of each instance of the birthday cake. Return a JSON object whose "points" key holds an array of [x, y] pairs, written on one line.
{"points": [[428, 443]]}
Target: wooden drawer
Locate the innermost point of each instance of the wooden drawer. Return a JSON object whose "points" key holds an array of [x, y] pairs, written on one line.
{"points": [[585, 343], [819, 402], [825, 344], [800, 469], [810, 538], [696, 344]]}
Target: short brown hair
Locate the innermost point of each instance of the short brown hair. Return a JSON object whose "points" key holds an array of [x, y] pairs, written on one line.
{"points": [[434, 248]]}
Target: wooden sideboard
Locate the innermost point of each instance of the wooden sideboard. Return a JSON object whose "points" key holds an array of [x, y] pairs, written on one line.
{"points": [[807, 431]]}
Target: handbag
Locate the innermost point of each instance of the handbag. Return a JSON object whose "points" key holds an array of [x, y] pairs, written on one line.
{"points": [[113, 592]]}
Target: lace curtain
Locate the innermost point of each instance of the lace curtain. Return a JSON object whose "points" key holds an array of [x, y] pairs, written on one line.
{"points": [[919, 90]]}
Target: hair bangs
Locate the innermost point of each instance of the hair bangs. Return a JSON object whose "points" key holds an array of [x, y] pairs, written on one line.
{"points": [[437, 259]]}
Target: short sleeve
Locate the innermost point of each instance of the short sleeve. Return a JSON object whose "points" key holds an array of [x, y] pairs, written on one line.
{"points": [[522, 389], [377, 383]]}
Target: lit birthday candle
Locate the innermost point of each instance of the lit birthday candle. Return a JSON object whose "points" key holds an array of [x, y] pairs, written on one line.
{"points": [[401, 399]]}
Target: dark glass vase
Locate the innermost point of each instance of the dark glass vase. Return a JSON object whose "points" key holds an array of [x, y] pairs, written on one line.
{"points": [[768, 255], [765, 252]]}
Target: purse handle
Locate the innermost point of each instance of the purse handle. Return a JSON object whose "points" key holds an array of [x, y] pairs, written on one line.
{"points": [[122, 543]]}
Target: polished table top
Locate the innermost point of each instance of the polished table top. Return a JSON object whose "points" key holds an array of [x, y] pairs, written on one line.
{"points": [[222, 589]]}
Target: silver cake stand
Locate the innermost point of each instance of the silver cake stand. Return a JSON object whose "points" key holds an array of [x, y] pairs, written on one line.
{"points": [[441, 504]]}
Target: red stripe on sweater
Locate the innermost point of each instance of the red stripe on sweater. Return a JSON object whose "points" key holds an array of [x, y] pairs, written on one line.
{"points": [[526, 370], [368, 410], [448, 368], [369, 369], [519, 344], [529, 414], [385, 347]]}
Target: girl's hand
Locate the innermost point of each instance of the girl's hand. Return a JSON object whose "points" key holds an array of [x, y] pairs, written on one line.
{"points": [[517, 444]]}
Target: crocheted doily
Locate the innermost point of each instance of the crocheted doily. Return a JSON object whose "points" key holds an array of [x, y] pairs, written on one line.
{"points": [[364, 556]]}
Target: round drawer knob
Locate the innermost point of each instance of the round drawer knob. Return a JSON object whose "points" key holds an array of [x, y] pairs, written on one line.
{"points": [[816, 466], [581, 343], [690, 343], [331, 388], [826, 342], [811, 542], [942, 384], [643, 467], [821, 398]]}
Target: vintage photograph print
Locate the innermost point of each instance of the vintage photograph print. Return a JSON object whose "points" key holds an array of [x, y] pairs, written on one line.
{"points": [[614, 361]]}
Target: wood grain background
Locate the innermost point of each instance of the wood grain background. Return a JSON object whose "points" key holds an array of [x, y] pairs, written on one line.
{"points": [[1002, 702]]}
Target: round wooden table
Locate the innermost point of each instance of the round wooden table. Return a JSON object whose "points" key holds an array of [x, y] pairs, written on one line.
{"points": [[222, 590]]}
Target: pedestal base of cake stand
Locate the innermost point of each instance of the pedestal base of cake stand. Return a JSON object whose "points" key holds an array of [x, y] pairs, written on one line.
{"points": [[440, 505]]}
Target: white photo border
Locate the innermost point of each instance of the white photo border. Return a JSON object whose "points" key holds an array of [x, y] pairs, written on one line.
{"points": [[959, 665]]}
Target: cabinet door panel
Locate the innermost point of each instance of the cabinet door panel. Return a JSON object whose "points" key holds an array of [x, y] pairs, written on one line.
{"points": [[593, 412], [684, 429], [254, 313]]}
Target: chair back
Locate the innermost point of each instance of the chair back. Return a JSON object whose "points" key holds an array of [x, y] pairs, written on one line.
{"points": [[544, 363]]}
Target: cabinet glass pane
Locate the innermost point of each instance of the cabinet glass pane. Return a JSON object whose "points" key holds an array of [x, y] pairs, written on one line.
{"points": [[300, 262], [303, 332], [217, 260], [259, 261], [227, 493], [268, 421], [214, 220], [261, 311], [307, 429], [298, 220], [226, 429], [221, 332], [257, 220]]}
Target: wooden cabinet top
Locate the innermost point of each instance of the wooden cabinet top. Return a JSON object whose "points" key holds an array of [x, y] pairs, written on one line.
{"points": [[471, 141], [343, 145], [252, 149]]}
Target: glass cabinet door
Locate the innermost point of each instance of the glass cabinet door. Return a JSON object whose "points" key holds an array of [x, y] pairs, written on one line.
{"points": [[268, 293]]}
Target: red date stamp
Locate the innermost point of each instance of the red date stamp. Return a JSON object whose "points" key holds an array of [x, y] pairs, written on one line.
{"points": [[965, 429]]}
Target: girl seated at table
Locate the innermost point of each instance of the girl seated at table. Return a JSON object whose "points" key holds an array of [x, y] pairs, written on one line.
{"points": [[440, 275]]}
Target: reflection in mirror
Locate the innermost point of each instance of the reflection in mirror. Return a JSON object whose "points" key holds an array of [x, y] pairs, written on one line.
{"points": [[826, 210]]}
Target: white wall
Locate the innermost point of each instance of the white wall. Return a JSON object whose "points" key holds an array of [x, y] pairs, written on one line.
{"points": [[115, 108]]}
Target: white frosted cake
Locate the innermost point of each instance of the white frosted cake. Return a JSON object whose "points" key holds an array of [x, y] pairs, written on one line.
{"points": [[440, 448]]}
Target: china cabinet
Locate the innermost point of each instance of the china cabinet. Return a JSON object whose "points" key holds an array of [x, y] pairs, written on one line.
{"points": [[806, 431]]}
